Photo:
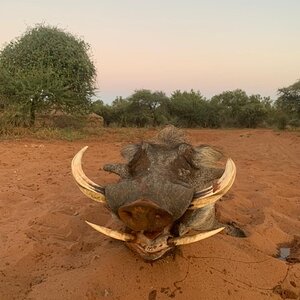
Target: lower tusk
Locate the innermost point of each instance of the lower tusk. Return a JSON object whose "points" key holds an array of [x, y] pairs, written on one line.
{"points": [[194, 238], [115, 234]]}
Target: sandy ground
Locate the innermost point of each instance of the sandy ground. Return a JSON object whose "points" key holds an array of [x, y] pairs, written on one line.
{"points": [[48, 252]]}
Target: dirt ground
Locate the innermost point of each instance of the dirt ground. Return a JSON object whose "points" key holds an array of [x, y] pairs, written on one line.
{"points": [[48, 252]]}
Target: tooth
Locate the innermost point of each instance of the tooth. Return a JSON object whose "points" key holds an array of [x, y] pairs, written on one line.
{"points": [[184, 240], [115, 234]]}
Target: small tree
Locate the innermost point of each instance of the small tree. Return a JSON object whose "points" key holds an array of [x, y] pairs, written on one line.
{"points": [[119, 112], [103, 110], [146, 107], [289, 101], [47, 68], [229, 105], [252, 113], [188, 108]]}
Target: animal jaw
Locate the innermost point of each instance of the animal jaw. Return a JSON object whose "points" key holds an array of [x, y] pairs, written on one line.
{"points": [[153, 248]]}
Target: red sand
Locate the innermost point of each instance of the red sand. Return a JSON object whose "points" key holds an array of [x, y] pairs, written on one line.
{"points": [[48, 252]]}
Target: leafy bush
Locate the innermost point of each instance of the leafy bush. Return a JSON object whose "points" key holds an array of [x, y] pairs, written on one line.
{"points": [[46, 69]]}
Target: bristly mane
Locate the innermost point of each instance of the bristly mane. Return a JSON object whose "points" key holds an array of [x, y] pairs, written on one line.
{"points": [[169, 136]]}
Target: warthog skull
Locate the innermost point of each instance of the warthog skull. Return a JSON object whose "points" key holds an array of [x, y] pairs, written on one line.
{"points": [[166, 193]]}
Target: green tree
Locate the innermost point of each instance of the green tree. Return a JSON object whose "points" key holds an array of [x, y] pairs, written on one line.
{"points": [[213, 117], [189, 109], [146, 107], [47, 68], [142, 108], [103, 110], [288, 103], [237, 109], [229, 104], [119, 112], [252, 113]]}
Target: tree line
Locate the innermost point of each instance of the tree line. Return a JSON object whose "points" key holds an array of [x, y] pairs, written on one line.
{"points": [[145, 108], [48, 69]]}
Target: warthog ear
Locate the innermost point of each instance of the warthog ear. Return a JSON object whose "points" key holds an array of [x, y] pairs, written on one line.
{"points": [[206, 156], [213, 193], [87, 186], [119, 169], [129, 151]]}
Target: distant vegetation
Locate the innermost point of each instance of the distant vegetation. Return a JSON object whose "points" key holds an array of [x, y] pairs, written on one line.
{"points": [[233, 109], [48, 71]]}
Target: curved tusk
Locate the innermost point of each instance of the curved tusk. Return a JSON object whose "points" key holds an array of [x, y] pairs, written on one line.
{"points": [[87, 186], [115, 234], [208, 195], [194, 238]]}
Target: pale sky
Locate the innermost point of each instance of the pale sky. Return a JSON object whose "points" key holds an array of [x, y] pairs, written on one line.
{"points": [[207, 45]]}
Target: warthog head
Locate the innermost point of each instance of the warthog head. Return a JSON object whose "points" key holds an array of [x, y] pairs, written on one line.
{"points": [[166, 193]]}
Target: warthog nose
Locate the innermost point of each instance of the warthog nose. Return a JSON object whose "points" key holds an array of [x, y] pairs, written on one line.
{"points": [[144, 215]]}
